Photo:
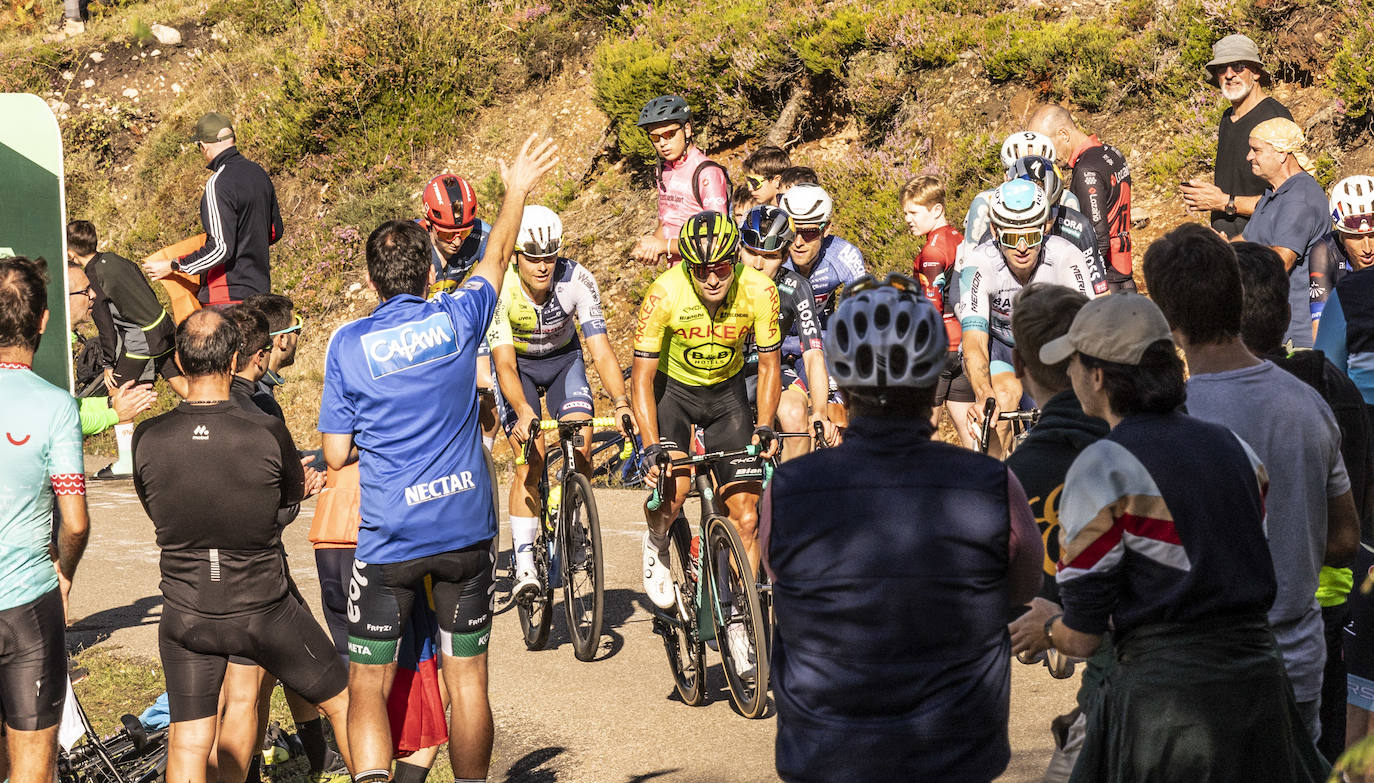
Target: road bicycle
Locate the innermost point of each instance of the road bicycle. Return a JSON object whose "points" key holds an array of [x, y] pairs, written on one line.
{"points": [[131, 755], [567, 548], [615, 460]]}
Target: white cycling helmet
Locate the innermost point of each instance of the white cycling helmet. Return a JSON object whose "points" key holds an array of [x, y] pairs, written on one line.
{"points": [[807, 204], [886, 336], [1019, 205], [1022, 143], [541, 232], [1352, 205]]}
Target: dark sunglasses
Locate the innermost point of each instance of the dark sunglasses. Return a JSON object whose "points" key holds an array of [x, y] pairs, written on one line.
{"points": [[811, 233], [721, 269], [1239, 68], [664, 135]]}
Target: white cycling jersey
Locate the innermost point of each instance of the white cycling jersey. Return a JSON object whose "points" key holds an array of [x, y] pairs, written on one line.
{"points": [[537, 330], [988, 285]]}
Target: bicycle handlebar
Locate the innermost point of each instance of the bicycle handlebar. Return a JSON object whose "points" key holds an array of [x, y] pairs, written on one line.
{"points": [[539, 425], [986, 433], [664, 462]]}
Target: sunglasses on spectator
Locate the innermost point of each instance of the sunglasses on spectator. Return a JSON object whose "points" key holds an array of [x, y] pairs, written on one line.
{"points": [[450, 234], [810, 233], [663, 135], [295, 327], [1021, 240], [87, 292], [754, 181], [1239, 68], [721, 269]]}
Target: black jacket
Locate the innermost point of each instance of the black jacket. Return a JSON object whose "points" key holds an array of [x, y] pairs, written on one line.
{"points": [[241, 218]]}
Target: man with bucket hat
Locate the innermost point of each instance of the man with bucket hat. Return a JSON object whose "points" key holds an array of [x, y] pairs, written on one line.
{"points": [[1237, 69]]}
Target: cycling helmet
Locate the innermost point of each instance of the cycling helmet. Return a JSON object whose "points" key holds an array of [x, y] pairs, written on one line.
{"points": [[665, 108], [1352, 205], [766, 229], [449, 202], [1041, 171], [708, 238], [1019, 204], [886, 335], [1022, 143], [541, 232], [807, 204]]}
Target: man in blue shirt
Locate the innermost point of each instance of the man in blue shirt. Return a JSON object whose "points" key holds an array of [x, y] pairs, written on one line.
{"points": [[427, 516]]}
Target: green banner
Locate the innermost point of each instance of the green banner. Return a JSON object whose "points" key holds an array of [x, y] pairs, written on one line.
{"points": [[33, 219]]}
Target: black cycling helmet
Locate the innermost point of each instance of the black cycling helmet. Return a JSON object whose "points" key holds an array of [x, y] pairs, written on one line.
{"points": [[1041, 171], [665, 108], [766, 229]]}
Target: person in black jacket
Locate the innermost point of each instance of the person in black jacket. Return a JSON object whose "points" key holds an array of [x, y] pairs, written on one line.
{"points": [[241, 218]]}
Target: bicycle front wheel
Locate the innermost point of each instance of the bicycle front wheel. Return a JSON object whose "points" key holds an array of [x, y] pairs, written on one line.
{"points": [[536, 616], [739, 618], [583, 585], [686, 651]]}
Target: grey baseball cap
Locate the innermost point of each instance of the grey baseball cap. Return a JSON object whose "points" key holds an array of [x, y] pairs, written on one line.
{"points": [[1235, 48], [213, 127], [1114, 328]]}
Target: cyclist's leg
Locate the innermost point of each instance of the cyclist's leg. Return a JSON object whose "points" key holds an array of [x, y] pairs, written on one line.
{"points": [[570, 399], [463, 604], [194, 678], [380, 600], [794, 416], [522, 507], [240, 721], [678, 408], [1007, 389], [33, 682], [333, 567], [956, 393], [732, 427]]}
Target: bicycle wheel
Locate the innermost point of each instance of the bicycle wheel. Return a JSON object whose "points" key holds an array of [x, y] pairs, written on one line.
{"points": [[737, 602], [686, 652], [536, 616], [583, 569]]}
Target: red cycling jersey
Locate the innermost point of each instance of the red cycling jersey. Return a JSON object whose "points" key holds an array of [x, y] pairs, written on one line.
{"points": [[934, 266]]}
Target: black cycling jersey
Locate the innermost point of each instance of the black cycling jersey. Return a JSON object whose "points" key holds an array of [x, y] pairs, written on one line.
{"points": [[212, 477], [1327, 264], [250, 397], [132, 325], [1102, 182], [798, 320]]}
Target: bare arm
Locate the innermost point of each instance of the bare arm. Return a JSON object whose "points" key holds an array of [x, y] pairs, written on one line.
{"points": [[71, 541], [1342, 530], [520, 178], [503, 356], [608, 368], [1071, 642], [642, 396], [1290, 259], [338, 449], [977, 365]]}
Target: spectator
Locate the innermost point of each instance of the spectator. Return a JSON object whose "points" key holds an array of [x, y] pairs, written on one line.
{"points": [[763, 174], [1163, 542], [688, 181], [240, 216], [1193, 275], [1263, 319], [1236, 69], [1291, 217], [1101, 181], [43, 472], [124, 401], [284, 330], [1043, 313], [796, 175], [924, 693]]}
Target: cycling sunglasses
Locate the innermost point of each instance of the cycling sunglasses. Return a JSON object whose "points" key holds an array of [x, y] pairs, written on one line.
{"points": [[1021, 240], [721, 269], [754, 181], [810, 233], [450, 234], [295, 327], [663, 135], [1356, 224]]}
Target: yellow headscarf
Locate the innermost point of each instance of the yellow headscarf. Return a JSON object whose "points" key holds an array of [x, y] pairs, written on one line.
{"points": [[1285, 136]]}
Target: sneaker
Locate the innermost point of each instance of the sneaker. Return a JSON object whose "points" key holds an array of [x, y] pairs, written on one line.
{"points": [[741, 650], [107, 474], [73, 27], [658, 580], [526, 585]]}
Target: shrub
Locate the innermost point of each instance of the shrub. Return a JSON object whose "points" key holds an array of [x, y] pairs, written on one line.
{"points": [[1350, 76]]}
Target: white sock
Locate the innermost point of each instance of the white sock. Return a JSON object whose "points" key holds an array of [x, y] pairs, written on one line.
{"points": [[489, 441], [522, 533], [124, 441], [660, 541]]}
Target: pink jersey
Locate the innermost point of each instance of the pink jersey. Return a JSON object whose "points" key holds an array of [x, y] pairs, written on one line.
{"points": [[677, 200]]}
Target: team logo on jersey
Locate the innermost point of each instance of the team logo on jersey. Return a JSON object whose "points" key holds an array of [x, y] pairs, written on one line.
{"points": [[441, 487], [708, 357], [201, 432], [410, 345]]}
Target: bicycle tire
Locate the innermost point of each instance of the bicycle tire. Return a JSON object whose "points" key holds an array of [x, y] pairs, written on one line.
{"points": [[686, 651], [536, 616], [583, 585], [728, 566]]}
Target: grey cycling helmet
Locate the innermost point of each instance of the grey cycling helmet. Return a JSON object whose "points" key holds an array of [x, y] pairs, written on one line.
{"points": [[1019, 204], [665, 108], [884, 336]]}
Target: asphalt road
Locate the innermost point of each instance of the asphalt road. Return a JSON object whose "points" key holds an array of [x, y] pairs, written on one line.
{"points": [[612, 720]]}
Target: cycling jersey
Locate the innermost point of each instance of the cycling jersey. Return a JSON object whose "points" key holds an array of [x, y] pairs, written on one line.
{"points": [[1328, 264], [679, 197], [127, 310], [403, 382], [987, 298], [40, 458], [1102, 181], [1346, 331], [796, 308], [936, 264], [837, 264], [978, 223], [538, 330], [691, 346], [457, 267]]}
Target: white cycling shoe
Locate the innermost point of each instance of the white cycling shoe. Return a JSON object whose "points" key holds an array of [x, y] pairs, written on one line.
{"points": [[526, 585], [741, 651], [658, 580]]}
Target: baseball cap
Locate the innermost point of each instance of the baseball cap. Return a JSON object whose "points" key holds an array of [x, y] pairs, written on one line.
{"points": [[1114, 328], [213, 127]]}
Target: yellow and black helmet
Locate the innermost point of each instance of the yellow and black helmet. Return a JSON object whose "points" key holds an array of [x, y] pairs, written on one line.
{"points": [[708, 238]]}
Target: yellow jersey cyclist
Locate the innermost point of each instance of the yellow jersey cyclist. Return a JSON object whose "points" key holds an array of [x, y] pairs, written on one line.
{"points": [[691, 336], [535, 353]]}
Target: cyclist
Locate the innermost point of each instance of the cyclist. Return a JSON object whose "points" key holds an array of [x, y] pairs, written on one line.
{"points": [[825, 261], [1350, 246], [764, 237], [688, 181], [1019, 253], [536, 353], [40, 460], [1016, 146], [427, 516], [692, 331]]}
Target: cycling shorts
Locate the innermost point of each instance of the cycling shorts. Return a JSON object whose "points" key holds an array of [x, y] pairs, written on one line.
{"points": [[381, 596], [794, 374], [292, 592], [283, 639], [33, 663], [334, 567], [722, 410], [133, 367], [560, 378], [954, 385], [1359, 638]]}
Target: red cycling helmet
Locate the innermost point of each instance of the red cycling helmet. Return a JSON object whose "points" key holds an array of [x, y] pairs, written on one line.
{"points": [[449, 202]]}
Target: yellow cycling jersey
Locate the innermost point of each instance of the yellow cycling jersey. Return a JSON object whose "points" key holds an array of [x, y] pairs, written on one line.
{"points": [[691, 346]]}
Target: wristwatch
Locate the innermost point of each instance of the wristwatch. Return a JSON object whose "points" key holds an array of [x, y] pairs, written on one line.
{"points": [[1231, 206], [176, 265], [1049, 624]]}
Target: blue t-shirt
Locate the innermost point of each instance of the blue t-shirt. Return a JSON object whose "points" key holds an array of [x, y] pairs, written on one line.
{"points": [[1293, 216], [39, 456], [403, 382], [462, 262]]}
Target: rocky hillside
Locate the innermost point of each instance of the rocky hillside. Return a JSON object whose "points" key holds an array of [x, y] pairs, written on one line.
{"points": [[353, 104]]}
